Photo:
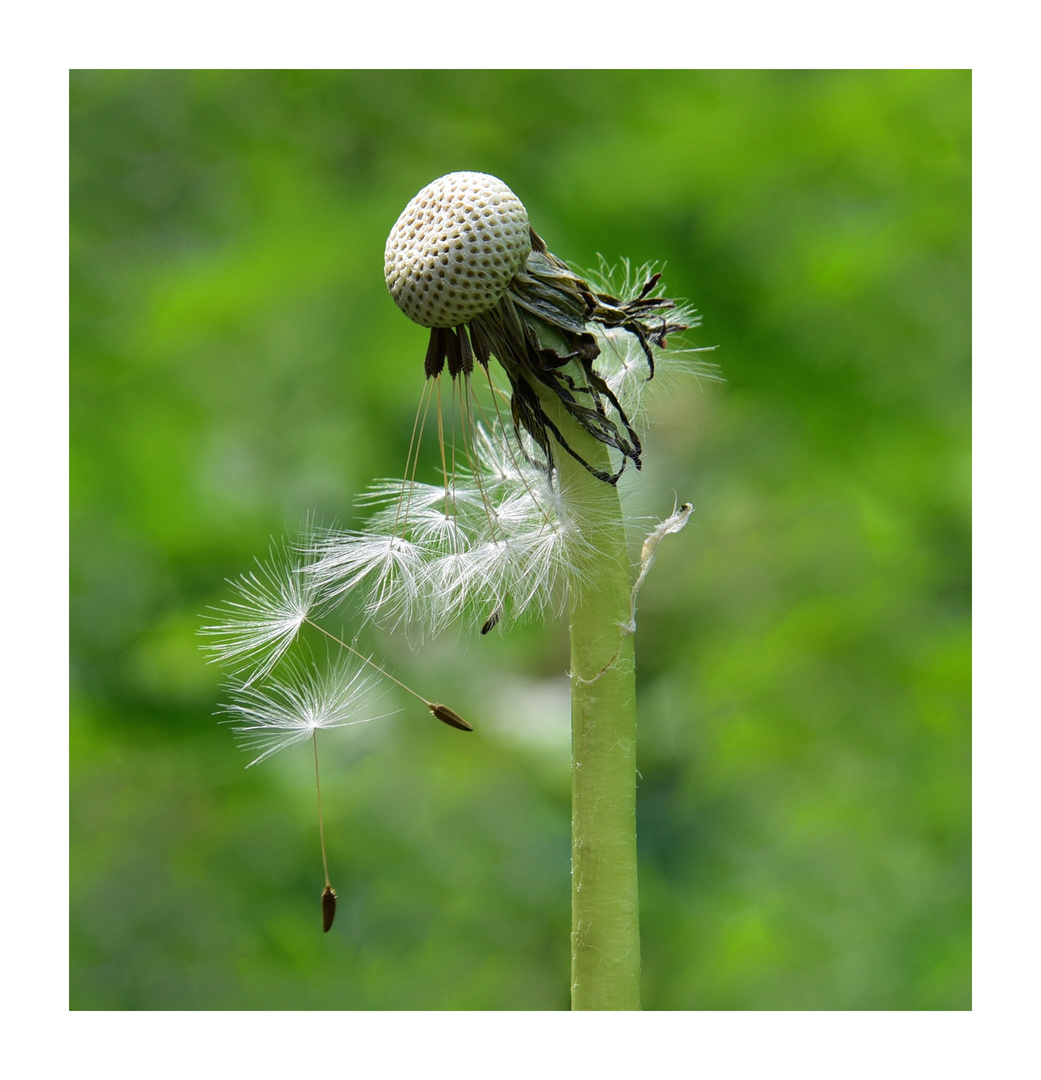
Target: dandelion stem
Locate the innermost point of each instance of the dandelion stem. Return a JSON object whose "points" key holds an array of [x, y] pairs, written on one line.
{"points": [[605, 930]]}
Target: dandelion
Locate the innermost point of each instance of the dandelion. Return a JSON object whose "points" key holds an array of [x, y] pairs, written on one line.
{"points": [[292, 709], [525, 521], [500, 534], [464, 262]]}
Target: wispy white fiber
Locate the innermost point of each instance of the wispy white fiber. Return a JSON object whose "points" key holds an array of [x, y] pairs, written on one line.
{"points": [[498, 537], [290, 708], [255, 627]]}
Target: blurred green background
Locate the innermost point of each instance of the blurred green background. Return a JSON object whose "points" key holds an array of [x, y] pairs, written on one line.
{"points": [[804, 646]]}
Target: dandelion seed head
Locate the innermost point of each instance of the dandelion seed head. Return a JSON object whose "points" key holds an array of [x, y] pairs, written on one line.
{"points": [[455, 248], [501, 533]]}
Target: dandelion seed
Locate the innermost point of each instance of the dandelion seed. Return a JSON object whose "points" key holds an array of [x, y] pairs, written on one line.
{"points": [[502, 535], [436, 708], [392, 569], [328, 907], [449, 716], [294, 708]]}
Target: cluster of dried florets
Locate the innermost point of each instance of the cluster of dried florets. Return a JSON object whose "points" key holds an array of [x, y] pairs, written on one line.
{"points": [[463, 261]]}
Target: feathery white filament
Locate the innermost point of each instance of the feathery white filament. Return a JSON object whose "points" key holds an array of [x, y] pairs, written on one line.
{"points": [[499, 537], [255, 628], [291, 708]]}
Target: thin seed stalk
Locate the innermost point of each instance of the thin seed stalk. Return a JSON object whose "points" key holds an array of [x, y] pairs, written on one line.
{"points": [[605, 911]]}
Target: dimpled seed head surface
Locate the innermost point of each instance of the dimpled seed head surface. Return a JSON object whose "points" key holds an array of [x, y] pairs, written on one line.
{"points": [[456, 247]]}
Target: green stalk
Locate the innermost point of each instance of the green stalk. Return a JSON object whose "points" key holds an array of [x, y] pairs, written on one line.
{"points": [[605, 907]]}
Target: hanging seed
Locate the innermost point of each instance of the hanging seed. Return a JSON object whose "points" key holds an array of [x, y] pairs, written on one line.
{"points": [[328, 907], [492, 621]]}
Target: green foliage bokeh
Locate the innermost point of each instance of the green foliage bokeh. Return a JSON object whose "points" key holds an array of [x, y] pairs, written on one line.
{"points": [[803, 646]]}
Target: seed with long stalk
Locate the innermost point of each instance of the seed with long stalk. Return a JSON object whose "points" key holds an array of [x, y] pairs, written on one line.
{"points": [[292, 708], [270, 606], [440, 711]]}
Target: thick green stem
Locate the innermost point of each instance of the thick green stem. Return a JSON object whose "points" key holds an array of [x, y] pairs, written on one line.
{"points": [[605, 912]]}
